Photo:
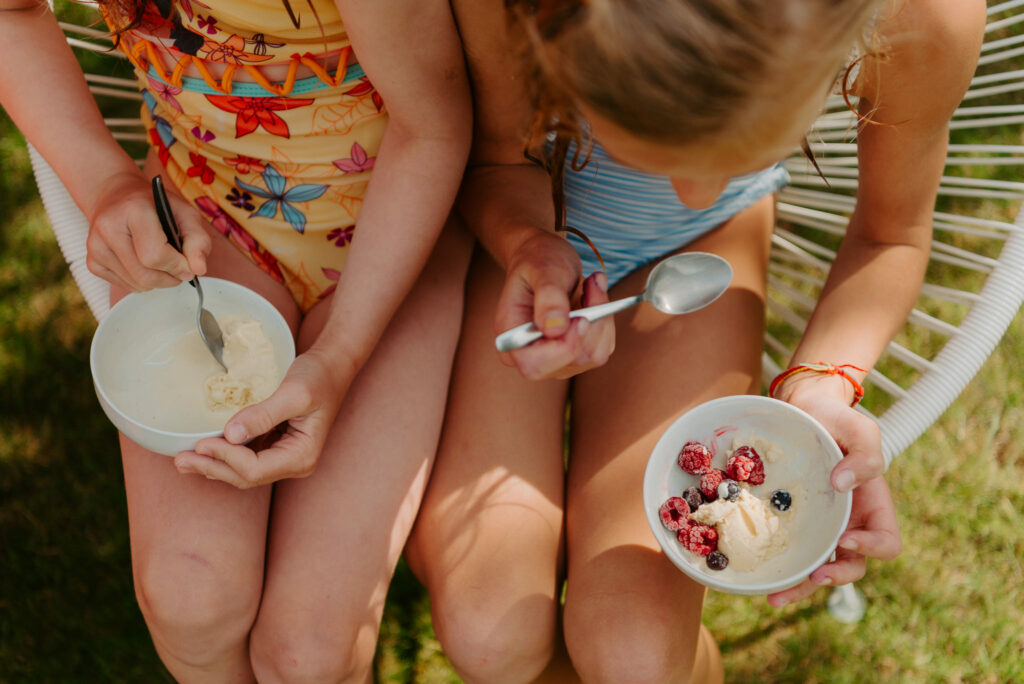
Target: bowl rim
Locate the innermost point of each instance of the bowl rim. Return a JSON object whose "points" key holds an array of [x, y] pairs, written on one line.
{"points": [[98, 386], [704, 577]]}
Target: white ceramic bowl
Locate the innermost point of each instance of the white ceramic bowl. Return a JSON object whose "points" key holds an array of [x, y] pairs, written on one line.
{"points": [[807, 454], [131, 352]]}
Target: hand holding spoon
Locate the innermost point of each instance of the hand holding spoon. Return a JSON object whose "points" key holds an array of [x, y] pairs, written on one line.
{"points": [[679, 284]]}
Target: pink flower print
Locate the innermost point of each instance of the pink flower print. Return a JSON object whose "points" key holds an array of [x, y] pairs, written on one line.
{"points": [[246, 165], [330, 274], [165, 91], [341, 236], [208, 23], [205, 136], [358, 161]]}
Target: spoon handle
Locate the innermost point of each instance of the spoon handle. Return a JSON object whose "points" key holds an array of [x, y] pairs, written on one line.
{"points": [[522, 335], [167, 222]]}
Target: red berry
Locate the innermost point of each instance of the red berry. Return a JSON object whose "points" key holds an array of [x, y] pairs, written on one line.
{"points": [[709, 482], [674, 513], [701, 539], [745, 465], [695, 458]]}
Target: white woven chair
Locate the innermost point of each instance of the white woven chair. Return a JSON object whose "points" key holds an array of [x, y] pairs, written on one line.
{"points": [[975, 283]]}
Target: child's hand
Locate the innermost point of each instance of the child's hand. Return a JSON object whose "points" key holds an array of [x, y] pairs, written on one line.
{"points": [[127, 246], [827, 398], [280, 437], [541, 281], [873, 532]]}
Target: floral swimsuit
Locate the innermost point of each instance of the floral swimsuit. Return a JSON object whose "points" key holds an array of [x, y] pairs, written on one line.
{"points": [[280, 168]]}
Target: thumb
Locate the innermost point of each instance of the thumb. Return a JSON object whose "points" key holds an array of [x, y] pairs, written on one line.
{"points": [[259, 419], [551, 308]]}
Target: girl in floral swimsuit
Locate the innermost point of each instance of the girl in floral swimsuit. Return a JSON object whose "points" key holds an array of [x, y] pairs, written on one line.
{"points": [[279, 128]]}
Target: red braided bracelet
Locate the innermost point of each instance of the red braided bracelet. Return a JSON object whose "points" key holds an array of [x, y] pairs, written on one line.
{"points": [[829, 368]]}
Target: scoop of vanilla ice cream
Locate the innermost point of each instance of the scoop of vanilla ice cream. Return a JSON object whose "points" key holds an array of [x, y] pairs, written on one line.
{"points": [[749, 533], [252, 369]]}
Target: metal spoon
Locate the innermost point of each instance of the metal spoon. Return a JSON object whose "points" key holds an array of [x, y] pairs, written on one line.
{"points": [[209, 330], [676, 285]]}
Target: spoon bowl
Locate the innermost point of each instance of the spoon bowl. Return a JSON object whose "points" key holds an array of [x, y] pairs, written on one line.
{"points": [[209, 329], [680, 284]]}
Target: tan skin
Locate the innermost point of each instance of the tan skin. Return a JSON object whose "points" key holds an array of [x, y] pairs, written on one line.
{"points": [[497, 526], [244, 567]]}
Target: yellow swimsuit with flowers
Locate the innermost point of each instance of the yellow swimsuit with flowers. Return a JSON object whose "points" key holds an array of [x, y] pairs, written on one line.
{"points": [[280, 168]]}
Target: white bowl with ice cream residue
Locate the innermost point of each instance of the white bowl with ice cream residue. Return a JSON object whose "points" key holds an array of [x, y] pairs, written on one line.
{"points": [[150, 367], [798, 456]]}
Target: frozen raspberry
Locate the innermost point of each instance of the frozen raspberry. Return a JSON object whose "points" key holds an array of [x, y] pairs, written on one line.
{"points": [[693, 498], [674, 513], [729, 490], [709, 482], [745, 465], [695, 458], [701, 539], [717, 560], [781, 499]]}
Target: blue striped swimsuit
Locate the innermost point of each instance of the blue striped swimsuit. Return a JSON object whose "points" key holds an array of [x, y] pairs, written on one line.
{"points": [[634, 217]]}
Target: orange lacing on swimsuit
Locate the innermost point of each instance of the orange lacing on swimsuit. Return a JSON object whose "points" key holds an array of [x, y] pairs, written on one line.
{"points": [[224, 85]]}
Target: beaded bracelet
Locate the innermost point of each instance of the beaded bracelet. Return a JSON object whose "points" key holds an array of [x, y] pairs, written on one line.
{"points": [[829, 368]]}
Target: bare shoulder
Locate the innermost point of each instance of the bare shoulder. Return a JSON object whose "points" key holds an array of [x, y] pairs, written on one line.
{"points": [[927, 52]]}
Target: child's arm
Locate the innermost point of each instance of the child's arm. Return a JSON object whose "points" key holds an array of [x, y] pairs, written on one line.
{"points": [[42, 89], [506, 201], [410, 51], [877, 274]]}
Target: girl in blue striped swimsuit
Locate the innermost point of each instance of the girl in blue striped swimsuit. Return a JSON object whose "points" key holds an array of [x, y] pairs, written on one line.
{"points": [[705, 97]]}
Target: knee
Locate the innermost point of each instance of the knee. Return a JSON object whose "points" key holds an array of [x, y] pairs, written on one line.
{"points": [[492, 639], [195, 610], [283, 650], [609, 650]]}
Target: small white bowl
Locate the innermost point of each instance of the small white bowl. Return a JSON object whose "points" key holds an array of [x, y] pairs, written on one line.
{"points": [[133, 347], [817, 518]]}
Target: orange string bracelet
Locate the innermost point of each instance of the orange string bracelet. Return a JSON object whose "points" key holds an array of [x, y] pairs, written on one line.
{"points": [[829, 368]]}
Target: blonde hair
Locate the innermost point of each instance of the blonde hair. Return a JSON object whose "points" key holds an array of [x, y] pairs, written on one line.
{"points": [[676, 71], [680, 71]]}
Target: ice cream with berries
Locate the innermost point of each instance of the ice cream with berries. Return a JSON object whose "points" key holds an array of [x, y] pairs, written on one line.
{"points": [[749, 532], [721, 517]]}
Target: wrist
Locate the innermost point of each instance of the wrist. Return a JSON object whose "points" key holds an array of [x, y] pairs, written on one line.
{"points": [[803, 381]]}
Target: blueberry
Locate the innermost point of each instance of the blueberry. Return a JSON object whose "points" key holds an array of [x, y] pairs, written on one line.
{"points": [[693, 498], [729, 490], [717, 560], [781, 499]]}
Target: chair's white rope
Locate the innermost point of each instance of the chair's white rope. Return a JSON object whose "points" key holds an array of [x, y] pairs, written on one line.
{"points": [[71, 229]]}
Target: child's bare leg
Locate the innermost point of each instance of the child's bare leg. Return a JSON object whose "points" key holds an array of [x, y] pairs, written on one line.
{"points": [[336, 536], [630, 614], [198, 545], [487, 542]]}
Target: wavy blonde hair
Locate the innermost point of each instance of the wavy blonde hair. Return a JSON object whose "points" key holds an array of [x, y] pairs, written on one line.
{"points": [[681, 71]]}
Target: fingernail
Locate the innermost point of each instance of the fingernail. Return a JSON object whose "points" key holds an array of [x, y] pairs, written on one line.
{"points": [[602, 281], [844, 481], [235, 434], [583, 326], [848, 544], [554, 321], [186, 470], [823, 581]]}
